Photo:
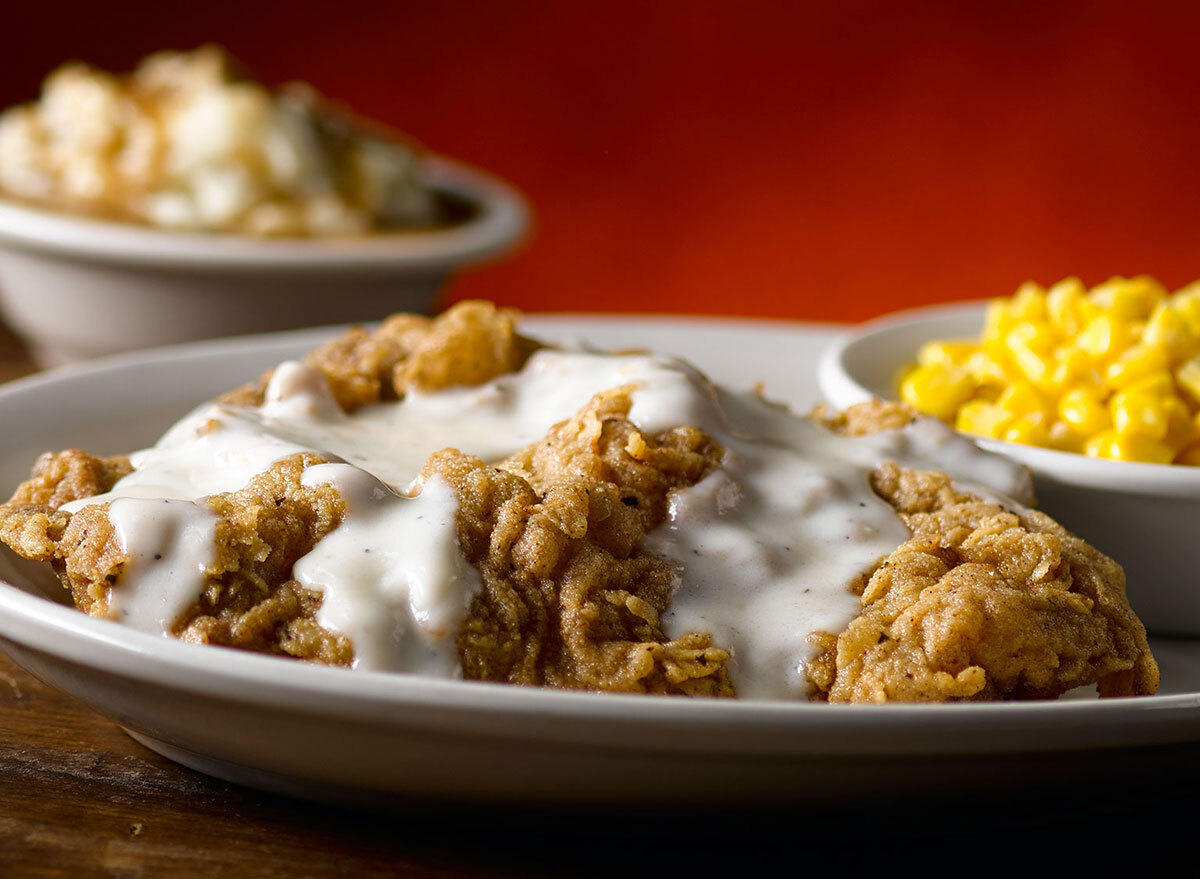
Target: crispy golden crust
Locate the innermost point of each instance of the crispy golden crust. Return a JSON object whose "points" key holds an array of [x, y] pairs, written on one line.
{"points": [[983, 602], [251, 600], [569, 598], [32, 525], [863, 418], [470, 344], [57, 479], [32, 531]]}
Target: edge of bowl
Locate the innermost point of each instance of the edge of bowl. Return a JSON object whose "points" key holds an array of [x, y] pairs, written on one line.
{"points": [[502, 221], [841, 381]]}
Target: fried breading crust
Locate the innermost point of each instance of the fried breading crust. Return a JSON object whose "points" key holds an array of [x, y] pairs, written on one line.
{"points": [[60, 478], [250, 602], [569, 598], [469, 344], [864, 418], [984, 602], [33, 526]]}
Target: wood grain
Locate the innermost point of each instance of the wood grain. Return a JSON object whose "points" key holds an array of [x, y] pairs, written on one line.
{"points": [[14, 358], [78, 795]]}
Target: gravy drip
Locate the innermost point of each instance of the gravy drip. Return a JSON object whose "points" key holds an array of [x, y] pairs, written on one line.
{"points": [[767, 546], [394, 579], [168, 545]]}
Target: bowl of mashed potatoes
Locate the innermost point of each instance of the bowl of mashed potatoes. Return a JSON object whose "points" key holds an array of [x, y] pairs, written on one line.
{"points": [[185, 201], [1091, 389]]}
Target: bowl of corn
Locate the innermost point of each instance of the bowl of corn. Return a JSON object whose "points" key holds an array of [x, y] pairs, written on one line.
{"points": [[1096, 390]]}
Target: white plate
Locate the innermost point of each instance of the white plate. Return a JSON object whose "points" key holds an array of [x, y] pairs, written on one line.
{"points": [[283, 725]]}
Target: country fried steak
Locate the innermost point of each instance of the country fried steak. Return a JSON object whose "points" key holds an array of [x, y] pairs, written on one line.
{"points": [[986, 600]]}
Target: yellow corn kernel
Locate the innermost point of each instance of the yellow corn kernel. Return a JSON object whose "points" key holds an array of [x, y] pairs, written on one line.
{"points": [[1136, 413], [946, 352], [1030, 336], [1116, 447], [985, 369], [1159, 384], [1104, 445], [1028, 303], [1104, 337], [1186, 301], [1148, 451], [998, 352], [1064, 306], [1022, 398], [1089, 309], [1128, 299], [1072, 368], [982, 419], [989, 392], [1084, 412], [1063, 438], [1134, 364], [1167, 329], [1029, 429], [1038, 368], [1188, 376], [996, 320], [1181, 426], [938, 389], [1150, 287]]}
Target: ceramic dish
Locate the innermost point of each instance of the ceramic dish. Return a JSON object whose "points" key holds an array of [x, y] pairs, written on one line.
{"points": [[316, 731], [76, 288], [1143, 515]]}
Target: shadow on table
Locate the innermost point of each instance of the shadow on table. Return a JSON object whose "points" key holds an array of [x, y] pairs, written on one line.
{"points": [[214, 827]]}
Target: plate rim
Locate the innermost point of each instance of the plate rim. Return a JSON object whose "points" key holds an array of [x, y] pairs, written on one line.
{"points": [[1150, 720]]}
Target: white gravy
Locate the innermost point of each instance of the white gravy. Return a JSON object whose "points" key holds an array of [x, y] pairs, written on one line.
{"points": [[394, 578], [764, 547], [169, 544]]}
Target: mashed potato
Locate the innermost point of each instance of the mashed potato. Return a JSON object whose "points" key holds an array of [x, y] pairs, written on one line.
{"points": [[183, 143]]}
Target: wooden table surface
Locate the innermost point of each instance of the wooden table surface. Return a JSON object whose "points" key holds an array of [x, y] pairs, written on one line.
{"points": [[80, 798]]}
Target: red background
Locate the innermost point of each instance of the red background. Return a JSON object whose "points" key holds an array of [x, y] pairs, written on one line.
{"points": [[825, 160]]}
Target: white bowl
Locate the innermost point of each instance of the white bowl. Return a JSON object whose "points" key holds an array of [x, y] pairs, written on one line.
{"points": [[76, 288], [1143, 515]]}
